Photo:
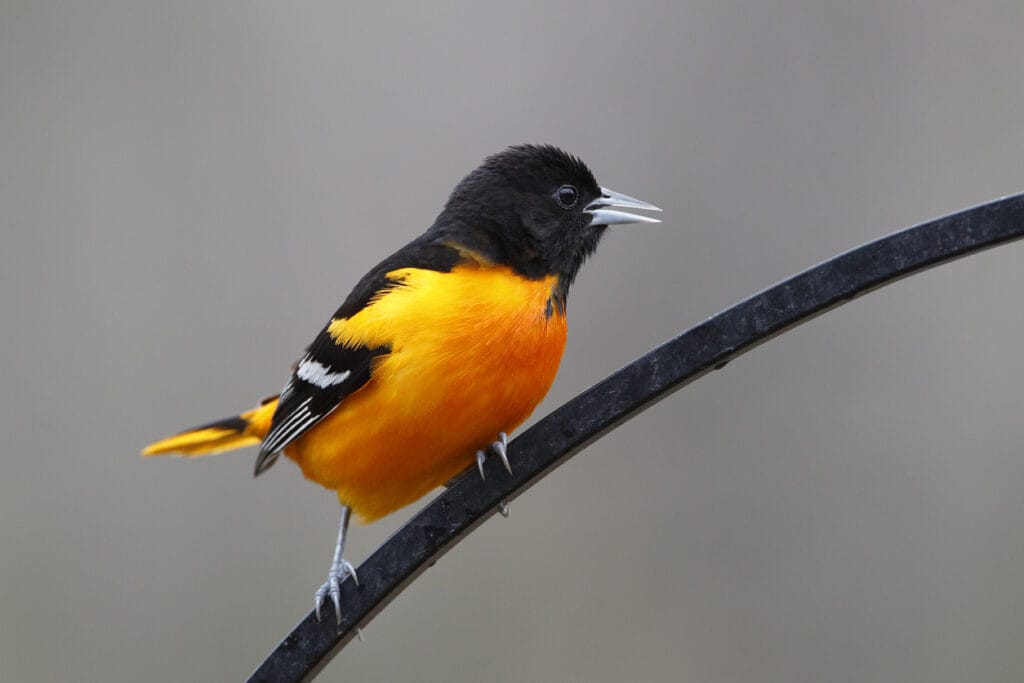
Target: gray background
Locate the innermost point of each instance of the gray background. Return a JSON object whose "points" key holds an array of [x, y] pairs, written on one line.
{"points": [[188, 190]]}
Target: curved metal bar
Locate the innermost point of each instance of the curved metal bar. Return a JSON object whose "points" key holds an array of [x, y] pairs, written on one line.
{"points": [[681, 360]]}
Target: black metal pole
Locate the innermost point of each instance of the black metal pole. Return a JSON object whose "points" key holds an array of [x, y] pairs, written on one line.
{"points": [[634, 388]]}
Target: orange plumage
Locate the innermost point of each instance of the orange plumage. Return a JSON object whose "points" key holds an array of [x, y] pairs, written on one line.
{"points": [[473, 351]]}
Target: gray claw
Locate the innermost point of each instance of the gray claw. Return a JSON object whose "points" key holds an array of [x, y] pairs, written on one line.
{"points": [[332, 587], [501, 448], [336, 599], [318, 599], [351, 571], [503, 508], [480, 457]]}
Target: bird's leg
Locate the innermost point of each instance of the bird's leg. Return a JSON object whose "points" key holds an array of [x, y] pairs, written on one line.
{"points": [[340, 568], [499, 447]]}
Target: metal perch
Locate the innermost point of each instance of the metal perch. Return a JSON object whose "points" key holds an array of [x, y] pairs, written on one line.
{"points": [[709, 346]]}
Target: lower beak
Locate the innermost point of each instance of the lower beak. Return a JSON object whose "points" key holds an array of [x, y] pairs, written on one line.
{"points": [[604, 216]]}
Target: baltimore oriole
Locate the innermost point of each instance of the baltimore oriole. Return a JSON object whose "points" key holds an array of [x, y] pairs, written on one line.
{"points": [[442, 348]]}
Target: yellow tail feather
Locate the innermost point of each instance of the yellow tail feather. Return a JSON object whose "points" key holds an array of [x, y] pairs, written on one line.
{"points": [[247, 429]]}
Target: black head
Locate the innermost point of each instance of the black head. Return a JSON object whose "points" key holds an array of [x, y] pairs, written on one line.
{"points": [[534, 208]]}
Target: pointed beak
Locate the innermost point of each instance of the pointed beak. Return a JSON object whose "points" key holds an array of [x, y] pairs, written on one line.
{"points": [[606, 216]]}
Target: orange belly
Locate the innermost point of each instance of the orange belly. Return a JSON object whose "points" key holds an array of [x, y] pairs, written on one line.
{"points": [[473, 352]]}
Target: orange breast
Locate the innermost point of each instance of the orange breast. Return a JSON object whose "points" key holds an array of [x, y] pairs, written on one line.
{"points": [[473, 352]]}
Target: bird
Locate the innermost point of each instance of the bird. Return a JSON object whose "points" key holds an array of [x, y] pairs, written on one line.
{"points": [[440, 351]]}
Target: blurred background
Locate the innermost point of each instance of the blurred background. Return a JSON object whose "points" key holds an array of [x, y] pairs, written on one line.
{"points": [[188, 190]]}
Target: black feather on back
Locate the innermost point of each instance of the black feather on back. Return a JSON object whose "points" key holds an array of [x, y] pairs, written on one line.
{"points": [[328, 372]]}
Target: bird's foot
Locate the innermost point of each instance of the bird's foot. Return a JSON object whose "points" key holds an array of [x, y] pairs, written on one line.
{"points": [[332, 587], [499, 448]]}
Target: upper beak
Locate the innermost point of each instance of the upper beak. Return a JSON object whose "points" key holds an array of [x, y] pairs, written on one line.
{"points": [[602, 216]]}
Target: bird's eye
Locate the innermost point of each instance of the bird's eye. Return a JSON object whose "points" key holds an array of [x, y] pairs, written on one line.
{"points": [[567, 196]]}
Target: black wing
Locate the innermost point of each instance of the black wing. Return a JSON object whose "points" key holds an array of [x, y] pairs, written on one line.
{"points": [[329, 372]]}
